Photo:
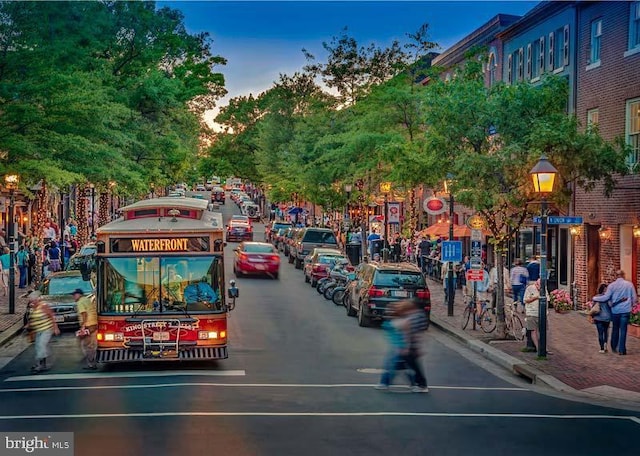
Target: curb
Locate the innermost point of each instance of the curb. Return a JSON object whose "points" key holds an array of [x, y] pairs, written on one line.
{"points": [[11, 332], [512, 364]]}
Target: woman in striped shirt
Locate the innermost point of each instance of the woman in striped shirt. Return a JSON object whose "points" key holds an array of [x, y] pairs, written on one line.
{"points": [[42, 324]]}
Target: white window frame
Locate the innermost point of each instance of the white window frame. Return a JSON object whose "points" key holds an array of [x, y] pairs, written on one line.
{"points": [[634, 25], [565, 46], [595, 43], [491, 67], [632, 134], [552, 43], [520, 64], [541, 58], [593, 118], [529, 61], [510, 68]]}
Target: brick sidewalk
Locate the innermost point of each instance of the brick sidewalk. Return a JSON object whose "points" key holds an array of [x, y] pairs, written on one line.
{"points": [[7, 320], [572, 341]]}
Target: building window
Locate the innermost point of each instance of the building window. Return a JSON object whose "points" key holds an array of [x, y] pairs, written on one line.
{"points": [[633, 130], [492, 69], [520, 64], [565, 46], [510, 69], [634, 26], [528, 61], [552, 53], [541, 60], [596, 35], [593, 118], [535, 67]]}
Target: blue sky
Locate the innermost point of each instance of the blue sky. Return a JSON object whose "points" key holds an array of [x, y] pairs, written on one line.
{"points": [[261, 39]]}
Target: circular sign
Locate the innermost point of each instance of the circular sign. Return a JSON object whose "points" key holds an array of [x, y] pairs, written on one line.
{"points": [[475, 222], [434, 205], [394, 210]]}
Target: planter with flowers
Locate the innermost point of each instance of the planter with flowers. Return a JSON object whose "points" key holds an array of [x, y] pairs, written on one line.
{"points": [[560, 300], [634, 320]]}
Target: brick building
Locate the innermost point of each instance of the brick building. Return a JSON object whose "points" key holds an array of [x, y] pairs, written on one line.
{"points": [[608, 95]]}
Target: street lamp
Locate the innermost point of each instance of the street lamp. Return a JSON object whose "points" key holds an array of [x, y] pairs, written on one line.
{"points": [[11, 181], [347, 190], [385, 187], [543, 175], [450, 290]]}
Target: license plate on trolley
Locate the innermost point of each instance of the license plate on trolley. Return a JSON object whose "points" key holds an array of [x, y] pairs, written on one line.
{"points": [[58, 318], [400, 293], [161, 336]]}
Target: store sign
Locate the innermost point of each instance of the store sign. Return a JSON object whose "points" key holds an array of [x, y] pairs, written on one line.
{"points": [[475, 222], [179, 244], [434, 205]]}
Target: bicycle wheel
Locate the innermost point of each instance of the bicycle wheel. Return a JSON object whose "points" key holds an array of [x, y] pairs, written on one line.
{"points": [[488, 320], [466, 316], [517, 329]]}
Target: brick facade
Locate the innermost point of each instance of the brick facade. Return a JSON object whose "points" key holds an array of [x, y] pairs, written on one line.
{"points": [[607, 88]]}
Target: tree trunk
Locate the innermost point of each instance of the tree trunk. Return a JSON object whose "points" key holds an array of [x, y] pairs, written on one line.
{"points": [[501, 329], [83, 225], [103, 211]]}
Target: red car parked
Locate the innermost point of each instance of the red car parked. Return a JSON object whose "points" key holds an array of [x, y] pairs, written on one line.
{"points": [[256, 258]]}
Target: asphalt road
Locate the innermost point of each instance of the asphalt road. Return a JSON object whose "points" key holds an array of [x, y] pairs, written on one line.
{"points": [[299, 379]]}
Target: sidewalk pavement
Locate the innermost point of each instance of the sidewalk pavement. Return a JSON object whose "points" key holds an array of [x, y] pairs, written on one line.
{"points": [[11, 324], [573, 364]]}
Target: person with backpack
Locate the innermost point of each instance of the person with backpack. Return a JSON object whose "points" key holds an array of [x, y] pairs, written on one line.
{"points": [[22, 261]]}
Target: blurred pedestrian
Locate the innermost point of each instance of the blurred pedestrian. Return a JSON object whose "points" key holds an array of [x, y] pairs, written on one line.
{"points": [[4, 267], [22, 261], [55, 255], [41, 323], [418, 324], [88, 327], [397, 327], [519, 277]]}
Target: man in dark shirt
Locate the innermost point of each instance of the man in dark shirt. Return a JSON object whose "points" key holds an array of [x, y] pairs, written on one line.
{"points": [[533, 268], [424, 249]]}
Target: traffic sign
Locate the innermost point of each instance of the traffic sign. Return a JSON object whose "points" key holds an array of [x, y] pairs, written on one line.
{"points": [[476, 235], [556, 220], [452, 251], [476, 255], [475, 275]]}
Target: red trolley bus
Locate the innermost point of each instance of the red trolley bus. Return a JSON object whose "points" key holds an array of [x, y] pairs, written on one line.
{"points": [[160, 283]]}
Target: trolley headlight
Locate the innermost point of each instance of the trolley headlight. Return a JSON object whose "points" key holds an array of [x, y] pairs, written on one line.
{"points": [[207, 335], [111, 337]]}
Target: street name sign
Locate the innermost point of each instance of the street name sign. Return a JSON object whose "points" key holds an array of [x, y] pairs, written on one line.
{"points": [[452, 251], [556, 220]]}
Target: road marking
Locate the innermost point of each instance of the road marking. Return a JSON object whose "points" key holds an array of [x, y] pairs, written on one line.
{"points": [[241, 385], [220, 373], [318, 414]]}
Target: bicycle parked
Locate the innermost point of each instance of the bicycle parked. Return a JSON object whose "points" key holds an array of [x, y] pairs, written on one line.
{"points": [[471, 311], [488, 321]]}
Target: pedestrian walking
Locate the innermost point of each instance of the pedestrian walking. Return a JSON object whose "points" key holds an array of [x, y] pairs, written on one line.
{"points": [[396, 326], [444, 275], [622, 295], [601, 317], [519, 277], [42, 325], [22, 261], [88, 327], [418, 324], [5, 261], [55, 255], [532, 312]]}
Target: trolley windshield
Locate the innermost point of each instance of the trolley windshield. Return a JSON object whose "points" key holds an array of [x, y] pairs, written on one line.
{"points": [[156, 284]]}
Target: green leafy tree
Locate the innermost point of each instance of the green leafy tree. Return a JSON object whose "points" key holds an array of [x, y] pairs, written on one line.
{"points": [[491, 171]]}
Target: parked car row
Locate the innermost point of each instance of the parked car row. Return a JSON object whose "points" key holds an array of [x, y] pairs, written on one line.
{"points": [[365, 291], [247, 206]]}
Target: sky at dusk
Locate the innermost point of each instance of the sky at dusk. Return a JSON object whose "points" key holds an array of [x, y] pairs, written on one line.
{"points": [[261, 39]]}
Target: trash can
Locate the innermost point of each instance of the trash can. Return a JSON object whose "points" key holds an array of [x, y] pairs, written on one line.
{"points": [[353, 253]]}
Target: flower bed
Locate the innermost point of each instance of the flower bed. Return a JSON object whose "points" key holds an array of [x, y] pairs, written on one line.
{"points": [[561, 301]]}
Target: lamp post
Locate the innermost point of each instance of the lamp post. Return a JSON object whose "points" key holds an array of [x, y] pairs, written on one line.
{"points": [[347, 189], [450, 289], [11, 181], [543, 175], [385, 187]]}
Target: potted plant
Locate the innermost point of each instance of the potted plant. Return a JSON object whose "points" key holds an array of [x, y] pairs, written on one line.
{"points": [[561, 301], [634, 321]]}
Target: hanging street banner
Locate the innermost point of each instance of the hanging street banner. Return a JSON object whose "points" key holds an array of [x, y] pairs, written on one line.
{"points": [[394, 212], [434, 205]]}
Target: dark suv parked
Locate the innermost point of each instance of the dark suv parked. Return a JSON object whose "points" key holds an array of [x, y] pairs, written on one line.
{"points": [[308, 239], [378, 284]]}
